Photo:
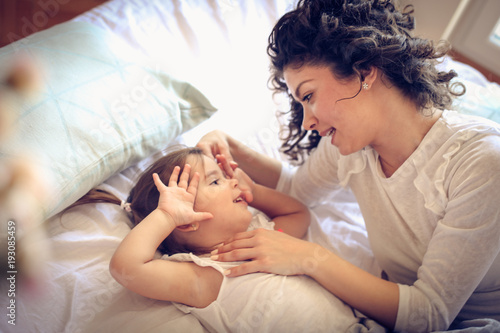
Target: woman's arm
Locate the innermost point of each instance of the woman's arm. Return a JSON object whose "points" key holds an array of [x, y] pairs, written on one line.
{"points": [[133, 264], [373, 296], [261, 168], [278, 253]]}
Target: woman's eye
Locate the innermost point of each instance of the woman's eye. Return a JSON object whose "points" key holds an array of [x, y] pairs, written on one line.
{"points": [[307, 98]]}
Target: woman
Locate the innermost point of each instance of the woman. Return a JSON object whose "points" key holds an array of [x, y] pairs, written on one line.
{"points": [[426, 179]]}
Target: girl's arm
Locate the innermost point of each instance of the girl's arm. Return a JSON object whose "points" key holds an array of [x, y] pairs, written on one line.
{"points": [[288, 214], [133, 264]]}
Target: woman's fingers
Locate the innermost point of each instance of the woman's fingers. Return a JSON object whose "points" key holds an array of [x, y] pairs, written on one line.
{"points": [[224, 165], [242, 251], [268, 265], [269, 251], [209, 148], [243, 246], [214, 143], [246, 268], [233, 165], [240, 240]]}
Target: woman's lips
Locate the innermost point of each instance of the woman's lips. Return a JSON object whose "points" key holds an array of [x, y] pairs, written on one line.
{"points": [[328, 132]]}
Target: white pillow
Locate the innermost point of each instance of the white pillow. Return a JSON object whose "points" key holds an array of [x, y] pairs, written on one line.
{"points": [[100, 110]]}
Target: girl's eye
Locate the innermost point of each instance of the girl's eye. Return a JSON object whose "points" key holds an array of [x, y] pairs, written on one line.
{"points": [[307, 98], [215, 182]]}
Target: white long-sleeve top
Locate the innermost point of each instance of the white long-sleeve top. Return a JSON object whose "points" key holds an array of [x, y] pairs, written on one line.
{"points": [[434, 225]]}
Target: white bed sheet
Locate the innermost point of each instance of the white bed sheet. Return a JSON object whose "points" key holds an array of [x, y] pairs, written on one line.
{"points": [[219, 46]]}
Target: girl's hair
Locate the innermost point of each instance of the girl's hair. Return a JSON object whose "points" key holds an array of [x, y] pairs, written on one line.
{"points": [[350, 37], [144, 196]]}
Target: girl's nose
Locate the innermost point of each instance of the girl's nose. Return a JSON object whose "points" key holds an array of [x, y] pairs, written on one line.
{"points": [[234, 182]]}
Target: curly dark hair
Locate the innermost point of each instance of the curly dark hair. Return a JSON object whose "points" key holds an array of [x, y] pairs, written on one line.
{"points": [[350, 37]]}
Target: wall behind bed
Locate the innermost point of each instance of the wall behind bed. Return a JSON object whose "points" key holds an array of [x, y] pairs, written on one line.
{"points": [[21, 18], [452, 20]]}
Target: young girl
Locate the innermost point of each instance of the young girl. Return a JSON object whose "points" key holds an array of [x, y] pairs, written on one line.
{"points": [[197, 210]]}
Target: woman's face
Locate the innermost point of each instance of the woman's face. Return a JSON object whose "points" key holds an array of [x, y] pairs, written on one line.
{"points": [[223, 198], [330, 106]]}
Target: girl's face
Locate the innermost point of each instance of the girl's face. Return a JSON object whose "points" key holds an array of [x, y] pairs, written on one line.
{"points": [[329, 108], [223, 198]]}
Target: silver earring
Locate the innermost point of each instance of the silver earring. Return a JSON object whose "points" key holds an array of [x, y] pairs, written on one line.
{"points": [[365, 85], [193, 226]]}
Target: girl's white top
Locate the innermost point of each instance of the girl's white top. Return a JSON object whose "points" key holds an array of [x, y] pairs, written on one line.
{"points": [[263, 302], [434, 225]]}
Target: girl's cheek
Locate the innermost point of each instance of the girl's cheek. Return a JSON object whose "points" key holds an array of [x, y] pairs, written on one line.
{"points": [[199, 202]]}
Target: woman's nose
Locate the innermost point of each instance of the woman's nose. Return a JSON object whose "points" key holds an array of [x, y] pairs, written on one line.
{"points": [[309, 121]]}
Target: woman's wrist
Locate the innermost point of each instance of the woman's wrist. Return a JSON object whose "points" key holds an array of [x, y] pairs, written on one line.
{"points": [[261, 168], [240, 152], [314, 256]]}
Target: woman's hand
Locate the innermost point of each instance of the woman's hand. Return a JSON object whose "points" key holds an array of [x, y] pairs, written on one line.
{"points": [[177, 199], [214, 143], [261, 168], [231, 170], [270, 252]]}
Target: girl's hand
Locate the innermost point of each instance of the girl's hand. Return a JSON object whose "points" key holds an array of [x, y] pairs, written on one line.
{"points": [[270, 252], [177, 199]]}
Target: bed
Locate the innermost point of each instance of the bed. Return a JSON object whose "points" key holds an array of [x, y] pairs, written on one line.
{"points": [[119, 84]]}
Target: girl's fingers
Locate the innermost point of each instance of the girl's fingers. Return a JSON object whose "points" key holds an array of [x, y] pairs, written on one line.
{"points": [[202, 216], [158, 183], [174, 177], [183, 180], [193, 184]]}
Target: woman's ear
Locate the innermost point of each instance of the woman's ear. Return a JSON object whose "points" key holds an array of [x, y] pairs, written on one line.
{"points": [[369, 77], [189, 227]]}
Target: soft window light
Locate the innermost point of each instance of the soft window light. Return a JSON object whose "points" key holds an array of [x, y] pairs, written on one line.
{"points": [[495, 34]]}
